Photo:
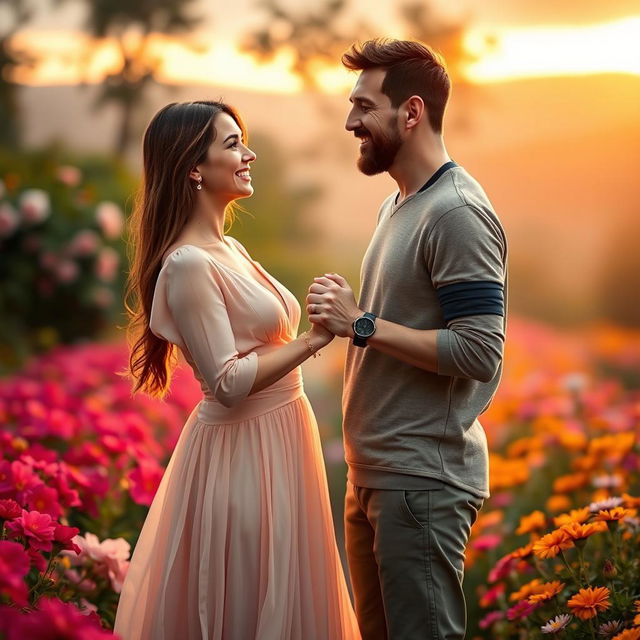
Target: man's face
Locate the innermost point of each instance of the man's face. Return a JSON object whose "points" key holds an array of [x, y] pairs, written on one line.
{"points": [[375, 122]]}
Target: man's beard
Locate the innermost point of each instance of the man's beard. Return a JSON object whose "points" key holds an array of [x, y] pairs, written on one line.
{"points": [[381, 150]]}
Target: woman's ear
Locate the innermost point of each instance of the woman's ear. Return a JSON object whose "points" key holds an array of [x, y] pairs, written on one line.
{"points": [[194, 174]]}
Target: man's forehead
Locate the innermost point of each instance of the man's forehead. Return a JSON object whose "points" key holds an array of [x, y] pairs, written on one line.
{"points": [[368, 85]]}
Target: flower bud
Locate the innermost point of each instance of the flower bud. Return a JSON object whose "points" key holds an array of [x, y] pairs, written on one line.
{"points": [[609, 569]]}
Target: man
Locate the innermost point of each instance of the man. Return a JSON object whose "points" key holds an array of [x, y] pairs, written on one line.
{"points": [[426, 353]]}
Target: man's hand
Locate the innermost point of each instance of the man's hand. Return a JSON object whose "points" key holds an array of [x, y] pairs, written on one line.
{"points": [[332, 304]]}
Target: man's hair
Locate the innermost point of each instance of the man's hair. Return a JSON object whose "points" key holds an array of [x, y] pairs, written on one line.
{"points": [[413, 69]]}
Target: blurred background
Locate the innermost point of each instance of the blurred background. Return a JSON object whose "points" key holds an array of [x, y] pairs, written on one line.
{"points": [[545, 113]]}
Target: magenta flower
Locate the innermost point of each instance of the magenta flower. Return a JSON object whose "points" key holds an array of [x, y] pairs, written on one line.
{"points": [[9, 509], [64, 535], [490, 619], [14, 566], [44, 500], [37, 528], [144, 480], [486, 542], [521, 610], [502, 568], [17, 479], [56, 620]]}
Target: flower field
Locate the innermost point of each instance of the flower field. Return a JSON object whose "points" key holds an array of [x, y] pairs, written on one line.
{"points": [[554, 551]]}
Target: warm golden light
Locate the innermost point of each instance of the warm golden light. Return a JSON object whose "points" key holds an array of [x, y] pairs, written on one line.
{"points": [[513, 53], [555, 51]]}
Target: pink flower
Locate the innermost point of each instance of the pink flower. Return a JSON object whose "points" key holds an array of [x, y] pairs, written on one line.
{"points": [[14, 566], [56, 620], [107, 264], [84, 243], [68, 175], [17, 479], [111, 556], [490, 618], [502, 568], [487, 542], [103, 297], [144, 480], [44, 500], [110, 219], [9, 220], [67, 271], [9, 509], [34, 205], [37, 528], [521, 610], [37, 560]]}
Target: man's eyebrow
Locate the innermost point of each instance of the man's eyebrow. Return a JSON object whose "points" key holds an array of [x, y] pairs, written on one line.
{"points": [[361, 100]]}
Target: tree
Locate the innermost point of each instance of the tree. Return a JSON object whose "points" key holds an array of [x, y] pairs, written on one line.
{"points": [[132, 25], [16, 14]]}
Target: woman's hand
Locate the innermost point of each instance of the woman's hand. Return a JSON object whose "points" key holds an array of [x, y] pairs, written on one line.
{"points": [[319, 336]]}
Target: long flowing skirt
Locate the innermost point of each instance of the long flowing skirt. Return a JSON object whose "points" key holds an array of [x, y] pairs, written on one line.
{"points": [[239, 542]]}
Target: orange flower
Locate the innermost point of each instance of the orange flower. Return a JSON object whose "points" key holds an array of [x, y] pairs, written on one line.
{"points": [[575, 515], [636, 605], [587, 603], [571, 482], [577, 531], [523, 552], [617, 513], [550, 589], [550, 545], [630, 501], [533, 522], [557, 503], [526, 590], [628, 634]]}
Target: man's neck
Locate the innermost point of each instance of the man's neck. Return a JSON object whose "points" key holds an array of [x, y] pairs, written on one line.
{"points": [[413, 168]]}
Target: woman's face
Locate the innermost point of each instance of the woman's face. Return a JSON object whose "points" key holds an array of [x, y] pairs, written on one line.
{"points": [[225, 171]]}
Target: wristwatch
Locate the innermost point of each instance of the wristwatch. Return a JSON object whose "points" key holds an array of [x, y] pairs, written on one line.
{"points": [[363, 328]]}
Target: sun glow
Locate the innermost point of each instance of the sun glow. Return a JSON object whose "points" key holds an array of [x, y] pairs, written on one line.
{"points": [[501, 54], [515, 53]]}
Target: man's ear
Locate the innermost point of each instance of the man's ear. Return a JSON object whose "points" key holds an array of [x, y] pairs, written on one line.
{"points": [[413, 111]]}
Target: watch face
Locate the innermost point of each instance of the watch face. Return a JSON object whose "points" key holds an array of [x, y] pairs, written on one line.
{"points": [[364, 327]]}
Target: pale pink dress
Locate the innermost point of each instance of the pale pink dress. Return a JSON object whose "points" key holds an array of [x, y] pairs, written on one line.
{"points": [[239, 542]]}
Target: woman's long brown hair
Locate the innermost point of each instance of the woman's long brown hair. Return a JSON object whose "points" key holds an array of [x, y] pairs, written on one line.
{"points": [[175, 142]]}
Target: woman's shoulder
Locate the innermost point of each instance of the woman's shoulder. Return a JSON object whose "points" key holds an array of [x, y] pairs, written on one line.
{"points": [[184, 254]]}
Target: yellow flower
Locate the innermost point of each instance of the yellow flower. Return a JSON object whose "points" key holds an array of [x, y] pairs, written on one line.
{"points": [[550, 545], [550, 589], [533, 522], [587, 603], [575, 515]]}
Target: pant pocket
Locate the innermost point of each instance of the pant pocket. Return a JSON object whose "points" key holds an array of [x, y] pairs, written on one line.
{"points": [[417, 505]]}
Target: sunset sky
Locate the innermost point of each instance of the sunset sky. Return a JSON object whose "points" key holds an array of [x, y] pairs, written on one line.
{"points": [[531, 39]]}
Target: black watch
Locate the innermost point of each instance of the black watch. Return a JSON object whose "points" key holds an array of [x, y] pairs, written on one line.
{"points": [[363, 328]]}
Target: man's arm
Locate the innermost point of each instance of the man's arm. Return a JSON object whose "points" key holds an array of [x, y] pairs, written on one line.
{"points": [[470, 348]]}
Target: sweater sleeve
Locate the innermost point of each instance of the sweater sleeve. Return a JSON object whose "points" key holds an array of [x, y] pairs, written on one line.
{"points": [[200, 315], [465, 254]]}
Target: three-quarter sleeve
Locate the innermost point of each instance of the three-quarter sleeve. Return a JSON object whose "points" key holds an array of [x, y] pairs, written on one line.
{"points": [[466, 257], [199, 312]]}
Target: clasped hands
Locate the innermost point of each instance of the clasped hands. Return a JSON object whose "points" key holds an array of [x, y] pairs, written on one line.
{"points": [[331, 306]]}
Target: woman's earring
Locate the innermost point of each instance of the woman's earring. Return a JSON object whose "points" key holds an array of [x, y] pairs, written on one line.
{"points": [[199, 185]]}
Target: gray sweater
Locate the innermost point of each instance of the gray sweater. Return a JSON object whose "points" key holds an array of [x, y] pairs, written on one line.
{"points": [[436, 261]]}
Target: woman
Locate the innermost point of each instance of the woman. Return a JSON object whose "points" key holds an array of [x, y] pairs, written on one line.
{"points": [[239, 541]]}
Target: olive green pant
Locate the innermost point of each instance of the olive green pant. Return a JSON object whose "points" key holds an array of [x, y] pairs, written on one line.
{"points": [[405, 550]]}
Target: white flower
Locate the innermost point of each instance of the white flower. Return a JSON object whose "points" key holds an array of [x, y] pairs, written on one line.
{"points": [[9, 220], [575, 382], [110, 219], [607, 481], [35, 205], [608, 503], [556, 624]]}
